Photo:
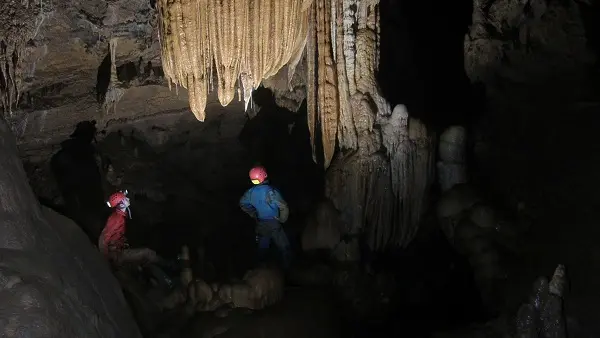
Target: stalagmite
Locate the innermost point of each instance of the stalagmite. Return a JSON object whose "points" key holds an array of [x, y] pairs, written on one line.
{"points": [[247, 41], [543, 315], [260, 288]]}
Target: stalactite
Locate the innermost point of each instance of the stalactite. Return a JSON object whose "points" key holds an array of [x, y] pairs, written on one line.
{"points": [[311, 79], [347, 136], [301, 44], [237, 36], [349, 20], [328, 107], [115, 92]]}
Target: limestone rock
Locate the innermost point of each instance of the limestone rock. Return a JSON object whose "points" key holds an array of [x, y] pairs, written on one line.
{"points": [[323, 228], [262, 287], [456, 200]]}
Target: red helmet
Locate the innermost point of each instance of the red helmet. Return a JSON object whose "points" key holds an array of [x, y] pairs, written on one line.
{"points": [[116, 198], [258, 174]]}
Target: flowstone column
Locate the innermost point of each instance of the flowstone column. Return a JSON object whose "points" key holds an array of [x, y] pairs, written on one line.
{"points": [[380, 161]]}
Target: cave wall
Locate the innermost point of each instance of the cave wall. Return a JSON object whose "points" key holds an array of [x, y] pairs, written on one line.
{"points": [[53, 283], [167, 155], [534, 147], [64, 74]]}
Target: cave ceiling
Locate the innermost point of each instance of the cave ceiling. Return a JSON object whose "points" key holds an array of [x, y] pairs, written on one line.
{"points": [[61, 65], [65, 69], [69, 43]]}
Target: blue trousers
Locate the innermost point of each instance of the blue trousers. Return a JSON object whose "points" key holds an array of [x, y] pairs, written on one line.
{"points": [[268, 230]]}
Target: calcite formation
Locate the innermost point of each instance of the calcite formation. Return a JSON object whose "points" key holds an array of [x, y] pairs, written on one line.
{"points": [[260, 288], [115, 91], [381, 194], [246, 41], [19, 21]]}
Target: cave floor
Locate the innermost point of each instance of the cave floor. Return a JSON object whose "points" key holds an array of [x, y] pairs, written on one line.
{"points": [[304, 312]]}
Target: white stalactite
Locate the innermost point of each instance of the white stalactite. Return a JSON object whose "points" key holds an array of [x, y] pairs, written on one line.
{"points": [[333, 29], [115, 92], [349, 19]]}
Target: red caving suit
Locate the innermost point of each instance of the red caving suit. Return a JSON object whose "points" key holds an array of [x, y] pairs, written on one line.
{"points": [[112, 240]]}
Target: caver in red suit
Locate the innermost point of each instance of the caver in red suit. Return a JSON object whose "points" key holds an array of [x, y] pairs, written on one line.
{"points": [[113, 243]]}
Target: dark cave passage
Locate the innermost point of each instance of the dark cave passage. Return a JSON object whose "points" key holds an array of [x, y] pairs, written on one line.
{"points": [[422, 60], [180, 197]]}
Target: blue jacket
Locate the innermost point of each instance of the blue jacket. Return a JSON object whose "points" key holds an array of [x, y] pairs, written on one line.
{"points": [[264, 203]]}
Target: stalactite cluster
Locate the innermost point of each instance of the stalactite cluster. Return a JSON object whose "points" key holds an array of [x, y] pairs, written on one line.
{"points": [[381, 195], [17, 26], [342, 58], [244, 41]]}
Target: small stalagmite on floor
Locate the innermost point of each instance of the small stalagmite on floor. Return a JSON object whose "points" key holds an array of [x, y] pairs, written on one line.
{"points": [[260, 288]]}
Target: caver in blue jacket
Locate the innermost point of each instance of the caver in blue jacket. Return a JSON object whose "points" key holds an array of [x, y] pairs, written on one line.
{"points": [[266, 205]]}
